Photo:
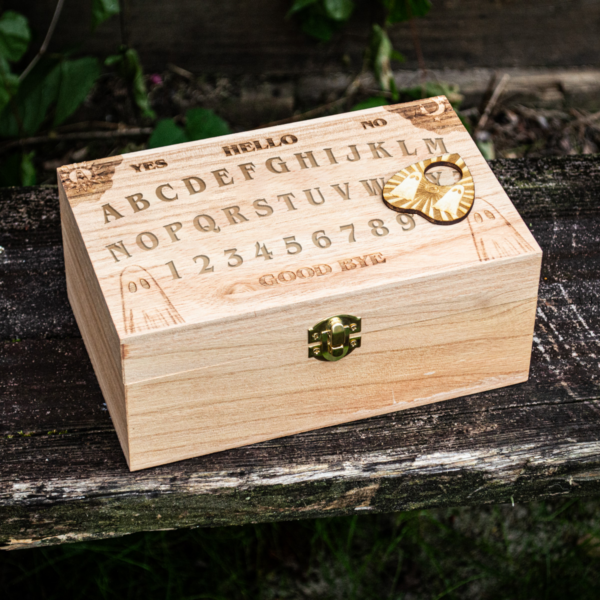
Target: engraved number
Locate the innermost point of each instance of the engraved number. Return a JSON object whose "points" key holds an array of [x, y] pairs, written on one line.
{"points": [[351, 237], [236, 258], [290, 242], [205, 263], [320, 239], [406, 220], [262, 251], [377, 228]]}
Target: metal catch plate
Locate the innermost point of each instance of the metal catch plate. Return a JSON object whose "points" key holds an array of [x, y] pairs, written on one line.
{"points": [[333, 337]]}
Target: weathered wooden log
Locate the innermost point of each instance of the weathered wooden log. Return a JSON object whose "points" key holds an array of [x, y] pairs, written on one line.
{"points": [[63, 476]]}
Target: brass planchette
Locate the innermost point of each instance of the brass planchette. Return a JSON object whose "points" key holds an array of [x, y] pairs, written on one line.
{"points": [[440, 189]]}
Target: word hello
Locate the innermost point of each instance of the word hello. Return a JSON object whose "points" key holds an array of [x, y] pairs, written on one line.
{"points": [[346, 264], [256, 145]]}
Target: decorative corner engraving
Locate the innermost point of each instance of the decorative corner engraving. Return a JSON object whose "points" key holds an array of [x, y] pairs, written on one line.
{"points": [[493, 235], [434, 114], [145, 304], [88, 180], [439, 189]]}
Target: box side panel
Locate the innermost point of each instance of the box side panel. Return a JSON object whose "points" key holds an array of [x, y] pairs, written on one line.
{"points": [[96, 327], [441, 339]]}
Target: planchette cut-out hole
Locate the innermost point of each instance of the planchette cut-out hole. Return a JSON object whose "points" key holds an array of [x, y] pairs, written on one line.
{"points": [[443, 173]]}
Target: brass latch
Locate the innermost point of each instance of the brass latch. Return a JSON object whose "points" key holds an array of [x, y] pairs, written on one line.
{"points": [[334, 339]]}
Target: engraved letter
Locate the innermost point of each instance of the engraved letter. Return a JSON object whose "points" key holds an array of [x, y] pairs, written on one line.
{"points": [[280, 167], [355, 155], [303, 156], [376, 258], [119, 247], [378, 150], [345, 195], [377, 188], [140, 240], [262, 205], [404, 149], [432, 145], [234, 215], [212, 226], [220, 175], [361, 261], [287, 198], [137, 202], [230, 150], [247, 169], [289, 139], [267, 280], [189, 184], [172, 229], [286, 276], [161, 195], [310, 198], [330, 156], [322, 269], [347, 264], [109, 211]]}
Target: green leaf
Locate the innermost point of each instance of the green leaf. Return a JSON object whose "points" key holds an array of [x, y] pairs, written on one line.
{"points": [[318, 26], [28, 175], [36, 93], [103, 10], [381, 52], [167, 133], [487, 149], [77, 78], [340, 10], [17, 169], [9, 84], [202, 123], [299, 5], [14, 35], [371, 103], [127, 63], [404, 10]]}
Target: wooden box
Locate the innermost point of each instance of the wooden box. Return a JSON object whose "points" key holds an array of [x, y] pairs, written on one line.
{"points": [[261, 284]]}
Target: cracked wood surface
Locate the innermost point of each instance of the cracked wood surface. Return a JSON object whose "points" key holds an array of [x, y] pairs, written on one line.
{"points": [[63, 476]]}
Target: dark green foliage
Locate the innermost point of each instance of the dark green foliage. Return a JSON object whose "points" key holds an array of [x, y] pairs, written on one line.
{"points": [[103, 10], [322, 18], [14, 36], [127, 64], [371, 103], [77, 78], [403, 10], [200, 124], [547, 550], [17, 169]]}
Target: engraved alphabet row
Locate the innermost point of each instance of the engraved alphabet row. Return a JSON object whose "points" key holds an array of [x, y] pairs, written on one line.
{"points": [[310, 159], [206, 223]]}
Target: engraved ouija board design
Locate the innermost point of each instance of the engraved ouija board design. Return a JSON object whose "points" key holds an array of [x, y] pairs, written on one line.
{"points": [[418, 189], [493, 235], [145, 304]]}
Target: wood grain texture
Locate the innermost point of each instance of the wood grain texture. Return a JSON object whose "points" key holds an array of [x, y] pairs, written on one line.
{"points": [[63, 476], [255, 37], [220, 255]]}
